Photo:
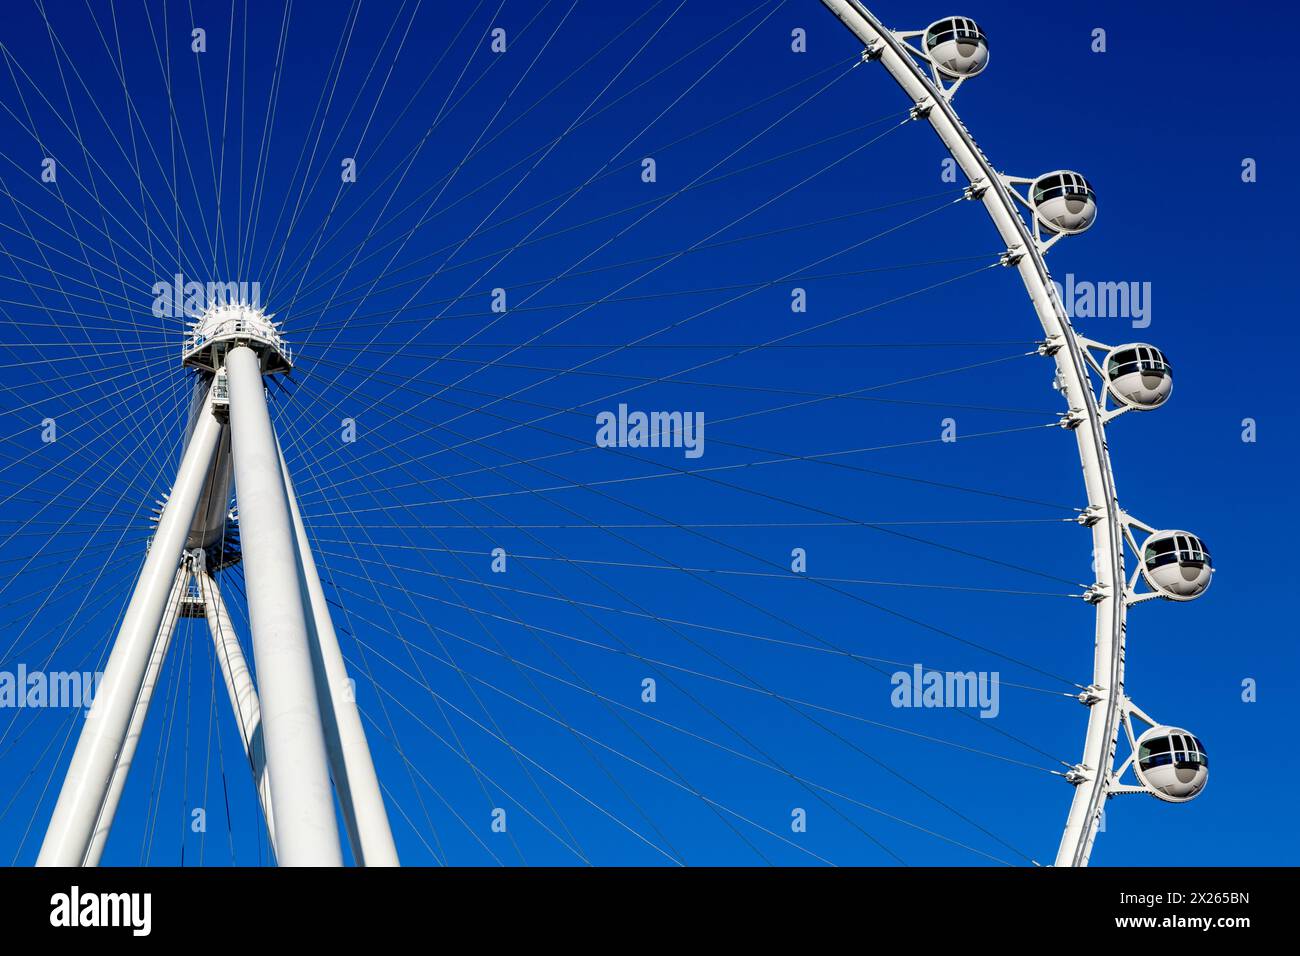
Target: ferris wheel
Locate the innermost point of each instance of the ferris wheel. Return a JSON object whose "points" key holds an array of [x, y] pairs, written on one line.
{"points": [[354, 585], [1175, 564]]}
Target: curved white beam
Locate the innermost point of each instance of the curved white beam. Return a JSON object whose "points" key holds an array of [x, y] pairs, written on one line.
{"points": [[1092, 776]]}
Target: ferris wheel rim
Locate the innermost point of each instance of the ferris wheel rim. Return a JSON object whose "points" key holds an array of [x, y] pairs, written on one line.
{"points": [[932, 101]]}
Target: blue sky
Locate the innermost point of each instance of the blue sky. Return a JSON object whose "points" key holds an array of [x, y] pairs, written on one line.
{"points": [[475, 429]]}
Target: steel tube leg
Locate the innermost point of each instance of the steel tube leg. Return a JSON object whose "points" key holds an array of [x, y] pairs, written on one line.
{"points": [[162, 642], [301, 797], [355, 780], [86, 785], [239, 687]]}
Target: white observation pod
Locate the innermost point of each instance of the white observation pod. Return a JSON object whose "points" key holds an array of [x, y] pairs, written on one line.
{"points": [[1171, 764], [957, 47], [1176, 564], [1064, 202], [1138, 375]]}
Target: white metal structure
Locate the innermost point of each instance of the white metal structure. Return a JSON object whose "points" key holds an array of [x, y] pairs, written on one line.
{"points": [[1060, 203], [301, 731], [957, 47], [299, 725], [1171, 763]]}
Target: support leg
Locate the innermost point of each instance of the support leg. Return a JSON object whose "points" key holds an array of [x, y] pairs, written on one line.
{"points": [[86, 785], [301, 797], [345, 737], [161, 643], [239, 687]]}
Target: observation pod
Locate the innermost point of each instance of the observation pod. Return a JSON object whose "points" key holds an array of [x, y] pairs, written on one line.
{"points": [[1171, 764], [1139, 375], [957, 47], [1064, 202], [1176, 564]]}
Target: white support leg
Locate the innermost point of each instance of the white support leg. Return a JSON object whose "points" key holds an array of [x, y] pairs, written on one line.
{"points": [[86, 785], [239, 687], [345, 737], [301, 797], [161, 643]]}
